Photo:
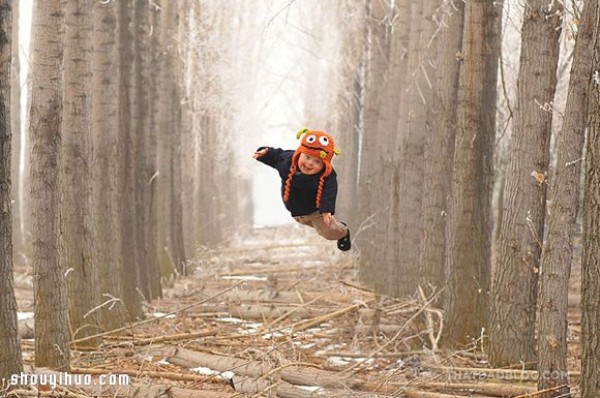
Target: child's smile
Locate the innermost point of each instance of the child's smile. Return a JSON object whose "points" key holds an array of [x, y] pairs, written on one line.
{"points": [[309, 165]]}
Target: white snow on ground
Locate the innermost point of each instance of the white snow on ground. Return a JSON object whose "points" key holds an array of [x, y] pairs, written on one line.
{"points": [[21, 316], [245, 278]]}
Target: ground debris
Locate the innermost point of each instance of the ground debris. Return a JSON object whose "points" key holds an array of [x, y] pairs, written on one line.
{"points": [[258, 319]]}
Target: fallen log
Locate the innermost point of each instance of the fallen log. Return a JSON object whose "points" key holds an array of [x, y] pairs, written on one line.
{"points": [[256, 311], [150, 320], [184, 357], [426, 394], [250, 385], [317, 377], [153, 391], [493, 389], [286, 390], [163, 339]]}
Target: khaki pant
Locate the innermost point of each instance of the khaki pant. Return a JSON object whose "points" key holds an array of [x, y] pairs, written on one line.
{"points": [[334, 231]]}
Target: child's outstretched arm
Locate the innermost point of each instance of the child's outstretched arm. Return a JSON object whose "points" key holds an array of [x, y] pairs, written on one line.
{"points": [[260, 153], [271, 156]]}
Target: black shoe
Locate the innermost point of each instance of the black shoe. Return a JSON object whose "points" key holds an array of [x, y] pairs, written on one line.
{"points": [[344, 244]]}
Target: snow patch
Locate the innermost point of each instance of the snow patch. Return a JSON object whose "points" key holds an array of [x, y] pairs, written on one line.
{"points": [[21, 316]]}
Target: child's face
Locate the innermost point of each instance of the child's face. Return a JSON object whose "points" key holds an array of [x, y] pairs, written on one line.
{"points": [[309, 165]]}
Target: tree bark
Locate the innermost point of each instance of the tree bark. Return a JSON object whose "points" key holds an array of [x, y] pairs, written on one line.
{"points": [[348, 117], [439, 148], [15, 127], [76, 210], [105, 137], [564, 184], [376, 62], [469, 225], [139, 107], [50, 299], [10, 354], [590, 285], [519, 246], [129, 284], [386, 231], [170, 219], [590, 319]]}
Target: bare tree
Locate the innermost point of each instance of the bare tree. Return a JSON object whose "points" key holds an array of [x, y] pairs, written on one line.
{"points": [[346, 107], [125, 171], [10, 354], [370, 178], [76, 210], [140, 130], [590, 287], [105, 137], [408, 156], [469, 225], [386, 231], [439, 144], [50, 299], [512, 330], [564, 197], [15, 123], [170, 140]]}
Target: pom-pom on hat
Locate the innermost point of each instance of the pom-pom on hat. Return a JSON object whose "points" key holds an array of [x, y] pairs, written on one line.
{"points": [[320, 145]]}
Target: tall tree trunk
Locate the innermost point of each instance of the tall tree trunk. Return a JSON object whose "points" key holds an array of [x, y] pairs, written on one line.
{"points": [[15, 126], [139, 106], [564, 185], [376, 61], [188, 155], [170, 230], [348, 110], [469, 225], [519, 246], [10, 354], [439, 146], [105, 126], [387, 232], [76, 211], [152, 153], [590, 286], [50, 298], [408, 161], [129, 284]]}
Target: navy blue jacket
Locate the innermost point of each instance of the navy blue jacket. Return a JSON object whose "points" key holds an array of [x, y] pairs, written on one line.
{"points": [[303, 190]]}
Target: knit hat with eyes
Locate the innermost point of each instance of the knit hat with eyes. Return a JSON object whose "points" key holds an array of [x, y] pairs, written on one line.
{"points": [[320, 145]]}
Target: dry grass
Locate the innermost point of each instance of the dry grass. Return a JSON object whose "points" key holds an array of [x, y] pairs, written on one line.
{"points": [[274, 313]]}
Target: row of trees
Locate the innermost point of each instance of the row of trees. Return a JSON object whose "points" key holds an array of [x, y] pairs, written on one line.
{"points": [[125, 180], [424, 104], [124, 133], [417, 102]]}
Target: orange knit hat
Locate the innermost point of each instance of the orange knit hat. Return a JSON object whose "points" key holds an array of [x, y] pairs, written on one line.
{"points": [[320, 145]]}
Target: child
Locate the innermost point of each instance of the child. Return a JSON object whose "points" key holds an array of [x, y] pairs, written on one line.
{"points": [[309, 184]]}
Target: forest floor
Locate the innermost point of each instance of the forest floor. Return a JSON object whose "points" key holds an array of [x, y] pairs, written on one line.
{"points": [[280, 313]]}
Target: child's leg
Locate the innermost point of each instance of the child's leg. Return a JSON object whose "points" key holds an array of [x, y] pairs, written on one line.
{"points": [[305, 220], [334, 231]]}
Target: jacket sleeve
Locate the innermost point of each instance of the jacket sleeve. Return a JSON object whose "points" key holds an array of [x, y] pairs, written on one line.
{"points": [[329, 194], [272, 157]]}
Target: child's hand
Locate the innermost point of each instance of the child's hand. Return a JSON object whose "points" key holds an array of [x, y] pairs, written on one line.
{"points": [[261, 153], [327, 218]]}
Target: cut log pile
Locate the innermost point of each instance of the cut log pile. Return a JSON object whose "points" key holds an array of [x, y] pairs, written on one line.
{"points": [[258, 319]]}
